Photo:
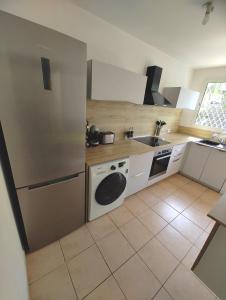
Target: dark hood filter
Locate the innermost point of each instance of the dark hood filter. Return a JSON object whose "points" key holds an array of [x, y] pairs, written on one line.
{"points": [[152, 96]]}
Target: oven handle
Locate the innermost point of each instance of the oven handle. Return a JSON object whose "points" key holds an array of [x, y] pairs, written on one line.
{"points": [[163, 157]]}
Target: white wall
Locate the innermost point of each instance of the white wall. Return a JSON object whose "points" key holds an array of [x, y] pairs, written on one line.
{"points": [[199, 80], [105, 42], [13, 277]]}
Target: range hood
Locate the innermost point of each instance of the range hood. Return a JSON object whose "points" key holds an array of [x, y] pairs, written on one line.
{"points": [[152, 96]]}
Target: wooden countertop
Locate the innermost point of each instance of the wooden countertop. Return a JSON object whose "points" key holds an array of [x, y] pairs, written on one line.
{"points": [[218, 212], [125, 148]]}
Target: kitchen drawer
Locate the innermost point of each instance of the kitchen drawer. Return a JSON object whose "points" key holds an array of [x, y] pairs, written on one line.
{"points": [[137, 183], [179, 150]]}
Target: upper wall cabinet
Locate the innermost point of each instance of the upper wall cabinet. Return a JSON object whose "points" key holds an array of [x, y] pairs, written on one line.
{"points": [[181, 97], [108, 82]]}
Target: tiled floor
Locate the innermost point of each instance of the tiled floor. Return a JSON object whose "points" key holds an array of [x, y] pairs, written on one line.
{"points": [[142, 250]]}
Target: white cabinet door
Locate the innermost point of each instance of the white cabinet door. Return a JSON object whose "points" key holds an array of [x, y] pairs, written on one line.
{"points": [[176, 159], [108, 82], [195, 159], [139, 170], [214, 173], [181, 97]]}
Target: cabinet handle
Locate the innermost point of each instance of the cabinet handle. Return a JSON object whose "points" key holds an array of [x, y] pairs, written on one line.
{"points": [[163, 157], [139, 174], [176, 159], [46, 73]]}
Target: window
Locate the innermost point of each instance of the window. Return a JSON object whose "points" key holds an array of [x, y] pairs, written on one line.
{"points": [[212, 112]]}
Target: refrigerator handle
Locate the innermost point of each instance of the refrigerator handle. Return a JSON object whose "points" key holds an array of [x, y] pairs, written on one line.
{"points": [[53, 182], [46, 73]]}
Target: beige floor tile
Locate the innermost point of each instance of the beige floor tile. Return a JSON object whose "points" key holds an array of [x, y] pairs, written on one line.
{"points": [[152, 221], [136, 280], [191, 256], [180, 200], [108, 290], [43, 261], [160, 191], [184, 285], [204, 205], [101, 227], [210, 226], [199, 243], [174, 242], [165, 211], [161, 262], [88, 270], [210, 195], [162, 295], [148, 197], [76, 242], [197, 217], [188, 229], [136, 233], [165, 184], [115, 249], [178, 180], [135, 205], [56, 285], [194, 189], [120, 216]]}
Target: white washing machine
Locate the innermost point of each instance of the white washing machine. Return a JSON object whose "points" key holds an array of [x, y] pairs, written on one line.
{"points": [[107, 187]]}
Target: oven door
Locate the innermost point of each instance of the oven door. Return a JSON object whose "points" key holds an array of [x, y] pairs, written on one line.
{"points": [[159, 165]]}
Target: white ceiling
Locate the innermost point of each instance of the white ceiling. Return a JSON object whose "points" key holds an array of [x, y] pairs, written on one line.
{"points": [[174, 26]]}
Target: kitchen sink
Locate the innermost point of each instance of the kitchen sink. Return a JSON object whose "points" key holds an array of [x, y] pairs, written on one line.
{"points": [[208, 142]]}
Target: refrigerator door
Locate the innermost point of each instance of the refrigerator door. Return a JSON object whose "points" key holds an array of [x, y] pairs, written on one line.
{"points": [[43, 100], [52, 211]]}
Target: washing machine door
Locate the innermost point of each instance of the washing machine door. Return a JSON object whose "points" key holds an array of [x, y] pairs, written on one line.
{"points": [[110, 188]]}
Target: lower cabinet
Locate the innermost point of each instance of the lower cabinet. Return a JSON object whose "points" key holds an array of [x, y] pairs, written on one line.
{"points": [[205, 164], [195, 160], [214, 173], [139, 170]]}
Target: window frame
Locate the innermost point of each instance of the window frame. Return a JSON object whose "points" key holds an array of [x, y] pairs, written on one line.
{"points": [[200, 105]]}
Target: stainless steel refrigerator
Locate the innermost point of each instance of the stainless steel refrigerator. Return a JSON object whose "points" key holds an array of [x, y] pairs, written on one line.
{"points": [[42, 112]]}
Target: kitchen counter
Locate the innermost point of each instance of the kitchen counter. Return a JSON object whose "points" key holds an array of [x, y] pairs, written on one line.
{"points": [[210, 265], [125, 148], [218, 212]]}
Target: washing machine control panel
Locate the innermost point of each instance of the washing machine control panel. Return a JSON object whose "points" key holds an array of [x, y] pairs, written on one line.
{"points": [[121, 164]]}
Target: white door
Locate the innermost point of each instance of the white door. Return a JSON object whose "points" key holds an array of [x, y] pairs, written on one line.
{"points": [[214, 173], [195, 159]]}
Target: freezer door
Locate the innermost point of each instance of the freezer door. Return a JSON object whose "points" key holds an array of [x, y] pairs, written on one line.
{"points": [[52, 211], [43, 100]]}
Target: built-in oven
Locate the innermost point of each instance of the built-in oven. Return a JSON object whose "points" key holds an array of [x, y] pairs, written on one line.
{"points": [[160, 163]]}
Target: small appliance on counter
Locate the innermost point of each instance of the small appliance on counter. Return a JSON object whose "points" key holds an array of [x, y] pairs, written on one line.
{"points": [[107, 137], [92, 136]]}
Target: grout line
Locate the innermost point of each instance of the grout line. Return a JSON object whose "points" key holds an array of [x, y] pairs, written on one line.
{"points": [[44, 275], [111, 273], [68, 270]]}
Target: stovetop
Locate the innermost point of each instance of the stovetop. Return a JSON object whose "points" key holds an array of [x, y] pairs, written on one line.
{"points": [[151, 141]]}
